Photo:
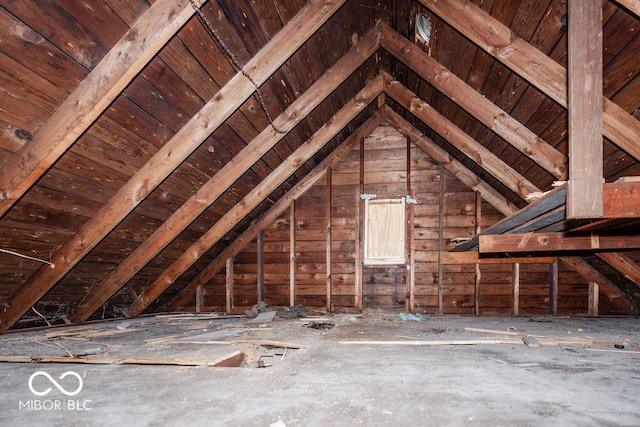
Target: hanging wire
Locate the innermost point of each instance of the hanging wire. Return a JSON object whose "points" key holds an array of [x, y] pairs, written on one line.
{"points": [[236, 63]]}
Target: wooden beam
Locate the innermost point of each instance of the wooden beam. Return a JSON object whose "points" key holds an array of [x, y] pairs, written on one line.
{"points": [[460, 171], [228, 285], [292, 253], [226, 176], [277, 209], [169, 157], [94, 94], [260, 260], [515, 282], [410, 302], [608, 288], [553, 288], [472, 257], [485, 111], [584, 193], [624, 264], [462, 141], [360, 227], [531, 64], [330, 129], [594, 300], [632, 5], [441, 251], [199, 299], [526, 219], [328, 262], [552, 242], [621, 200], [476, 268]]}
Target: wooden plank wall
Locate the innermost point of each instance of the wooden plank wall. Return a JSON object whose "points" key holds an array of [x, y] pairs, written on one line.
{"points": [[391, 170]]}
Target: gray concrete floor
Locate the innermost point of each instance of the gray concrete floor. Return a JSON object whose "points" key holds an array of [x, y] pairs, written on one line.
{"points": [[331, 383]]}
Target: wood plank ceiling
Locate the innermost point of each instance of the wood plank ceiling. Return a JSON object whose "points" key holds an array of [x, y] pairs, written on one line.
{"points": [[136, 148]]}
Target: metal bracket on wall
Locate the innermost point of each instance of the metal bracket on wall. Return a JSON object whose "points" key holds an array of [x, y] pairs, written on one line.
{"points": [[409, 200]]}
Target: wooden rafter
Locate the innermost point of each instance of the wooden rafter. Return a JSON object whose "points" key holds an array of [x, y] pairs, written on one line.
{"points": [[624, 264], [227, 175], [492, 116], [451, 164], [458, 138], [631, 5], [276, 210], [169, 157], [607, 287], [347, 113], [92, 96], [530, 63]]}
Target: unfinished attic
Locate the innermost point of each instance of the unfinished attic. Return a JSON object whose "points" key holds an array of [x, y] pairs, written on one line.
{"points": [[405, 212], [433, 157]]}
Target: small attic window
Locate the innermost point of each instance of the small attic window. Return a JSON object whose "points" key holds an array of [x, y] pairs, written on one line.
{"points": [[384, 234], [423, 28]]}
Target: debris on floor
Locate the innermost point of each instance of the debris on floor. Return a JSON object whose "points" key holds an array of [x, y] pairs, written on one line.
{"points": [[412, 317], [322, 326], [258, 308]]}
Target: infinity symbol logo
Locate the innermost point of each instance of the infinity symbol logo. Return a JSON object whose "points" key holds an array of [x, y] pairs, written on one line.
{"points": [[55, 383]]}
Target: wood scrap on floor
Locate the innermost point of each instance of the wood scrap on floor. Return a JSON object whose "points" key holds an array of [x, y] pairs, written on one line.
{"points": [[88, 332], [261, 342], [233, 359], [215, 335], [530, 341]]}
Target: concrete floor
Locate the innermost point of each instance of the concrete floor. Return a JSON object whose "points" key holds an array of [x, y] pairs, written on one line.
{"points": [[332, 383]]}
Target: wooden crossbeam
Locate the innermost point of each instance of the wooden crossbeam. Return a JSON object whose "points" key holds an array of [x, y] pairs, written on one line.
{"points": [[227, 175], [170, 156], [584, 194], [624, 264], [549, 207], [276, 210], [552, 242], [531, 64], [461, 172], [92, 96], [492, 116], [460, 258], [632, 5], [462, 141], [621, 200], [347, 113], [607, 287]]}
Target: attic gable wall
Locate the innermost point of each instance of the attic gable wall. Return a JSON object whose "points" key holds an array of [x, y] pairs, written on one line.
{"points": [[385, 174]]}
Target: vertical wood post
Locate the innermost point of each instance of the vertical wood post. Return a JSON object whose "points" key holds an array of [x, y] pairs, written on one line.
{"points": [[478, 273], [515, 280], [229, 285], [260, 260], [199, 299], [328, 257], [410, 300], [359, 231], [441, 178], [594, 298], [584, 191], [411, 242], [553, 289], [292, 253]]}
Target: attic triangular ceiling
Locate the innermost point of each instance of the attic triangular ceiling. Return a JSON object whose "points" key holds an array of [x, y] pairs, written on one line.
{"points": [[222, 111]]}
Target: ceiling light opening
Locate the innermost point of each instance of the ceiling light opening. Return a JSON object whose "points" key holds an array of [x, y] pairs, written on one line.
{"points": [[424, 32], [423, 28]]}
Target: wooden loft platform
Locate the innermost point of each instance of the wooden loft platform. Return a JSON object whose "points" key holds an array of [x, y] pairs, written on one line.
{"points": [[543, 225]]}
